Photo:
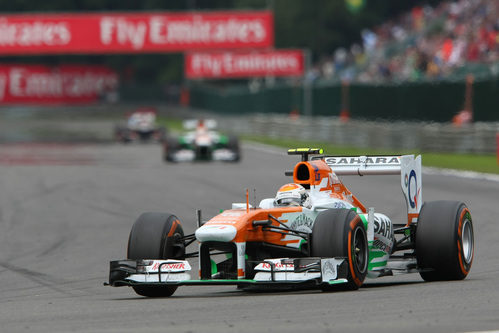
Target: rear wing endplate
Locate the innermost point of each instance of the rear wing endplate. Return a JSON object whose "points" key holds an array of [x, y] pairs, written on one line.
{"points": [[408, 166]]}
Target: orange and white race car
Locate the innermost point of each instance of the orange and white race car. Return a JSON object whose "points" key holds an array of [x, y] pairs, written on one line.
{"points": [[313, 233]]}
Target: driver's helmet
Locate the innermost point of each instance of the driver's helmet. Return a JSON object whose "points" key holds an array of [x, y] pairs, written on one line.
{"points": [[292, 195], [201, 127]]}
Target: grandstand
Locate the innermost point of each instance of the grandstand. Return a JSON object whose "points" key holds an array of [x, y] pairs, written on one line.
{"points": [[448, 41]]}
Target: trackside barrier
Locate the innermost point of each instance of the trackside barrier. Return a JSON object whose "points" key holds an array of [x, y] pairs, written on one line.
{"points": [[475, 138], [96, 123], [497, 147]]}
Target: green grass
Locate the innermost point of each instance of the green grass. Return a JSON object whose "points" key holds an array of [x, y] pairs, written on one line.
{"points": [[487, 163], [174, 124]]}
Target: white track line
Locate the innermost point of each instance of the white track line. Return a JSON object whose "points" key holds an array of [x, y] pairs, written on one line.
{"points": [[264, 148], [261, 147], [461, 173]]}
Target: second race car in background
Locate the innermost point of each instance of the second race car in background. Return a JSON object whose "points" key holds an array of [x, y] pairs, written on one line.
{"points": [[201, 143], [140, 125]]}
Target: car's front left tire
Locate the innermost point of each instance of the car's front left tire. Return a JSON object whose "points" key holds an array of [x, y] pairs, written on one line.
{"points": [[341, 233]]}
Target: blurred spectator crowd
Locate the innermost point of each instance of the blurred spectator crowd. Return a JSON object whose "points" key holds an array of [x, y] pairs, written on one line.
{"points": [[448, 41]]}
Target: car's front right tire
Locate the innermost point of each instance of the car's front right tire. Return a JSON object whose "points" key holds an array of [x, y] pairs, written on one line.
{"points": [[156, 236]]}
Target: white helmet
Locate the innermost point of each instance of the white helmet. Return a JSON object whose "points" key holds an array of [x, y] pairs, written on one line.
{"points": [[292, 195]]}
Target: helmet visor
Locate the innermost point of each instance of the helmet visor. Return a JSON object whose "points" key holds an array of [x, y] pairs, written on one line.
{"points": [[288, 202]]}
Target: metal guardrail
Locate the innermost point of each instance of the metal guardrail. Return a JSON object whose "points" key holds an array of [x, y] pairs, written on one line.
{"points": [[397, 135], [97, 123]]}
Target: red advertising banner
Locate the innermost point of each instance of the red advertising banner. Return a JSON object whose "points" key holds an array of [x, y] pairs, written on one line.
{"points": [[55, 85], [244, 64], [134, 32]]}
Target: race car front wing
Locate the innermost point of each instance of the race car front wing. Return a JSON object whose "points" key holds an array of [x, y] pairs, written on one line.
{"points": [[219, 154], [316, 271]]}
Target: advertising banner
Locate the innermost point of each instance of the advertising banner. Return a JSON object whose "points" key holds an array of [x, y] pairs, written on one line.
{"points": [[244, 64], [134, 32], [65, 84]]}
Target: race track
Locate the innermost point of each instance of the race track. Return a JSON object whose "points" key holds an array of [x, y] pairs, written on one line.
{"points": [[66, 211]]}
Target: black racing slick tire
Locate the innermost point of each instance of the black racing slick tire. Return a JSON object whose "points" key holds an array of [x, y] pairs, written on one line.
{"points": [[170, 147], [341, 233], [233, 145], [121, 134], [156, 236], [161, 134], [444, 241]]}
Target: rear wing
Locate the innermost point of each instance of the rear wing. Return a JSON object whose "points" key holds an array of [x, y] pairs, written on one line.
{"points": [[191, 124], [363, 165], [408, 166]]}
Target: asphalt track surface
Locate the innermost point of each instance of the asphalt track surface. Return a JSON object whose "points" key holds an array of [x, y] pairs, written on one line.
{"points": [[66, 211]]}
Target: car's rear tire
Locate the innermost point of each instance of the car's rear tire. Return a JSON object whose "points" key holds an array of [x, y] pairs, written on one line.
{"points": [[121, 134], [233, 145], [170, 147], [444, 241], [156, 236], [161, 134], [341, 233]]}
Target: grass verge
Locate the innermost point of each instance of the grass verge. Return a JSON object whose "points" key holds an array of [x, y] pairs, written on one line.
{"points": [[174, 124], [487, 163]]}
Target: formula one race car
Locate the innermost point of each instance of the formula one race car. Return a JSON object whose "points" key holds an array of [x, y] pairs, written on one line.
{"points": [[314, 233], [201, 143], [140, 126]]}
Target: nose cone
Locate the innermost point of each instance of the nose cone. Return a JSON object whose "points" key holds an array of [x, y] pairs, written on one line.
{"points": [[218, 233]]}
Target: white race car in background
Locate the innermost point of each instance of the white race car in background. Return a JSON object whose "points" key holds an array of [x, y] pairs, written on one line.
{"points": [[140, 125], [201, 143]]}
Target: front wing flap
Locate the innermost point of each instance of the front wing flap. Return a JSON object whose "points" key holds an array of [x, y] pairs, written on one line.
{"points": [[317, 271], [219, 154]]}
